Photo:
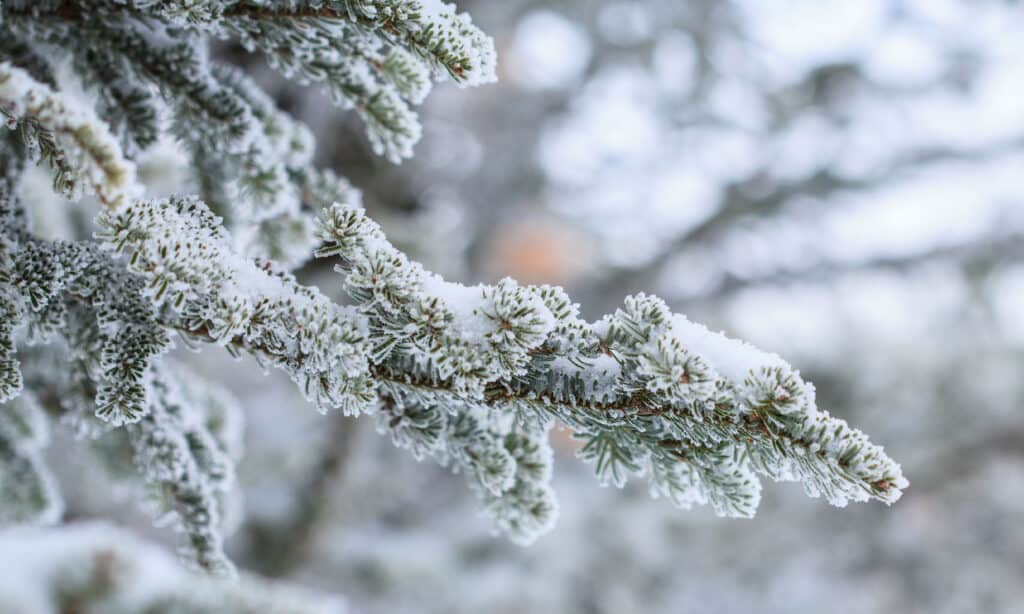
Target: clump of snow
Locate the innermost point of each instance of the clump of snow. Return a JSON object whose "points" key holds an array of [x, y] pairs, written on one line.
{"points": [[463, 302], [470, 306], [732, 358]]}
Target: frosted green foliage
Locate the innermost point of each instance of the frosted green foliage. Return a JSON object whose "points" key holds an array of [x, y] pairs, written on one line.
{"points": [[10, 374], [145, 62], [27, 489], [375, 56], [180, 455], [71, 138], [649, 392], [187, 469], [378, 57], [97, 569], [108, 324], [526, 507], [74, 288], [10, 310], [128, 107], [184, 255], [259, 190], [23, 55], [473, 377], [263, 171]]}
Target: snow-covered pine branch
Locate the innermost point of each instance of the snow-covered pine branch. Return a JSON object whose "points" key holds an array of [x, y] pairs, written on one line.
{"points": [[648, 391], [69, 137], [475, 376], [376, 56], [472, 376]]}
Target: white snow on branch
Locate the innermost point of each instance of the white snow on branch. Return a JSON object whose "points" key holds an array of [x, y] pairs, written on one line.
{"points": [[88, 158]]}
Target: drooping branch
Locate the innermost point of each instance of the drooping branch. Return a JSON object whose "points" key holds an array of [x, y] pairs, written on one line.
{"points": [[464, 370]]}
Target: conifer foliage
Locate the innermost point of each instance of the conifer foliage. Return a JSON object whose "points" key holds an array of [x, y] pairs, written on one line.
{"points": [[473, 376]]}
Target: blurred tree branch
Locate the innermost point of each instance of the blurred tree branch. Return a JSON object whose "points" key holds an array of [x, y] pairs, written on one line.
{"points": [[279, 549], [975, 256], [745, 200]]}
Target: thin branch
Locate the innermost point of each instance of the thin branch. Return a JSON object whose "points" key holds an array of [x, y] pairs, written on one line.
{"points": [[971, 256], [738, 203], [280, 549]]}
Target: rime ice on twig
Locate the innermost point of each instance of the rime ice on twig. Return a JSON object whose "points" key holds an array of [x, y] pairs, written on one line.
{"points": [[649, 392]]}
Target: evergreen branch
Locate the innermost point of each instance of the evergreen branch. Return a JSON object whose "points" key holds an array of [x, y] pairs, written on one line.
{"points": [[429, 28], [462, 373], [642, 373], [77, 144], [401, 22], [373, 56]]}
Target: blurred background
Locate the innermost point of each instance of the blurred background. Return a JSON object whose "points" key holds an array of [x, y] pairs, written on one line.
{"points": [[838, 182]]}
